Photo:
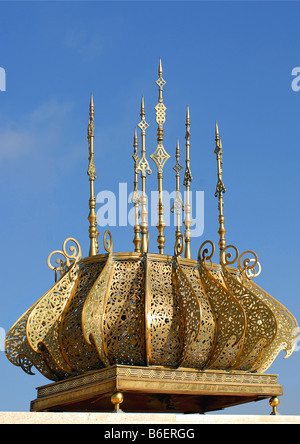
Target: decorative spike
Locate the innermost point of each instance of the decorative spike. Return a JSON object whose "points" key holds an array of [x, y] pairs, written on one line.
{"points": [[177, 204], [93, 232], [136, 198], [143, 108], [217, 130], [220, 190], [160, 156], [187, 183], [143, 167], [160, 68]]}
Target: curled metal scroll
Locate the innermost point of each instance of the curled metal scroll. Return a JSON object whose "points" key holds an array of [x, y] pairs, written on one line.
{"points": [[63, 265], [108, 242], [179, 246], [204, 255], [249, 266], [228, 255]]}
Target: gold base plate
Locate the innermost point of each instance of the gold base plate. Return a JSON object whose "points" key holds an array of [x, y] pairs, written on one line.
{"points": [[155, 389]]}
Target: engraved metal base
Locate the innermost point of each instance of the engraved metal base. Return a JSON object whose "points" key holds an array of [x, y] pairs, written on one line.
{"points": [[155, 389]]}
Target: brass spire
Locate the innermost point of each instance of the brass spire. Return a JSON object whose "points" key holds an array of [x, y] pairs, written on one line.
{"points": [[143, 167], [160, 156], [220, 190], [187, 183], [177, 204], [136, 198], [93, 232]]}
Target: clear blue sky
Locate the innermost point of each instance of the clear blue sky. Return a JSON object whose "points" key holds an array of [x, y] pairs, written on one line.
{"points": [[231, 61]]}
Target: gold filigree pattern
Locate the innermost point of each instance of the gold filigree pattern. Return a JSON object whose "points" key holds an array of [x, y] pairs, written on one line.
{"points": [[201, 348], [33, 340], [78, 354], [94, 305], [230, 322], [287, 328], [19, 352], [261, 323], [229, 315], [190, 307], [43, 323], [123, 322], [165, 320], [135, 309]]}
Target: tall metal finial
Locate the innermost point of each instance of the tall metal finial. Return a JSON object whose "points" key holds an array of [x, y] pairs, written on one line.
{"points": [[136, 198], [160, 156], [93, 232], [177, 204], [220, 190], [143, 167], [187, 183]]}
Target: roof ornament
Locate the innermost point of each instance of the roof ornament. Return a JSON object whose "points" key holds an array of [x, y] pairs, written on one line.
{"points": [[144, 169], [142, 310], [160, 156], [220, 190], [69, 258], [250, 266], [136, 198], [93, 232], [177, 207], [187, 183]]}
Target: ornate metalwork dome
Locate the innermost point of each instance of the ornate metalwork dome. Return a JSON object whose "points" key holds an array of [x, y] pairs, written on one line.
{"points": [[150, 309], [145, 309]]}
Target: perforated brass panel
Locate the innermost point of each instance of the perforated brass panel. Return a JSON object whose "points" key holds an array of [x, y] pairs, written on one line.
{"points": [[150, 310]]}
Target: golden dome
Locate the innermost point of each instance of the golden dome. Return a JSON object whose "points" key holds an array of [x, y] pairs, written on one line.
{"points": [[145, 309], [150, 309]]}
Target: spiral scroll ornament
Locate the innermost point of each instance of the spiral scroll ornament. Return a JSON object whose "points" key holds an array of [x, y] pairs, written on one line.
{"points": [[69, 258], [250, 267]]}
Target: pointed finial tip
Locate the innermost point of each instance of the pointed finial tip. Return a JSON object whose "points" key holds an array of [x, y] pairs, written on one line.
{"points": [[217, 129], [177, 149], [92, 105], [160, 67], [188, 113]]}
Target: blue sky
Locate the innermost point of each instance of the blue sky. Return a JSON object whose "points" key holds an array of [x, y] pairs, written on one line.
{"points": [[230, 61]]}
